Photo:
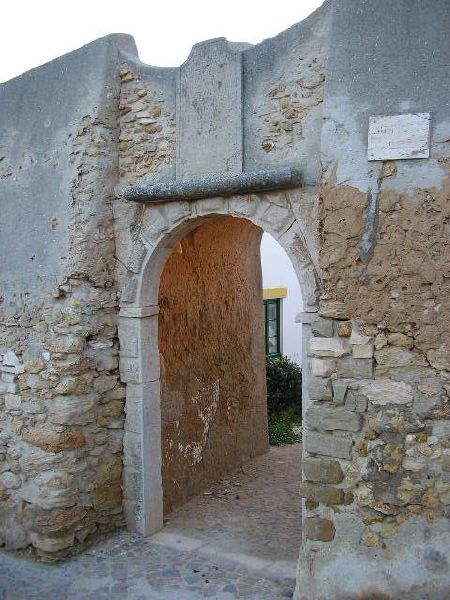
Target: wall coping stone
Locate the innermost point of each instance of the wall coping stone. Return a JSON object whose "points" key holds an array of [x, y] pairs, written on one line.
{"points": [[220, 184]]}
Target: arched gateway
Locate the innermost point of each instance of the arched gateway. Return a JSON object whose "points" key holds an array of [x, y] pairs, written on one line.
{"points": [[334, 138], [163, 227]]}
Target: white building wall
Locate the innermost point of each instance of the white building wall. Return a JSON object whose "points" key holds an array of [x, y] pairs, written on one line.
{"points": [[277, 271]]}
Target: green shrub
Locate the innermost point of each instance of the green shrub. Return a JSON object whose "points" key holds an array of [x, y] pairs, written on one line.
{"points": [[281, 428], [284, 386]]}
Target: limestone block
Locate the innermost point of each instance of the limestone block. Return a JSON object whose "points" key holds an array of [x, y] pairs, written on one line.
{"points": [[128, 289], [441, 429], [104, 383], [344, 328], [357, 338], [321, 530], [142, 407], [132, 513], [47, 497], [18, 370], [106, 359], [139, 355], [73, 410], [34, 406], [13, 401], [8, 377], [327, 347], [11, 387], [209, 126], [380, 341], [362, 350], [132, 449], [73, 385], [45, 437], [319, 389], [322, 328], [355, 368], [208, 206], [328, 445], [134, 257], [321, 470], [334, 418], [130, 370], [339, 391], [410, 464], [51, 544], [323, 367], [132, 486], [333, 309], [10, 480], [10, 359], [440, 357], [385, 391], [58, 519], [400, 339], [356, 402], [321, 493], [68, 344], [133, 421], [397, 356], [128, 330], [34, 365]]}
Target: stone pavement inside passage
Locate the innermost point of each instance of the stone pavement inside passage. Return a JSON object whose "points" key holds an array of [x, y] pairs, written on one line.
{"points": [[238, 539]]}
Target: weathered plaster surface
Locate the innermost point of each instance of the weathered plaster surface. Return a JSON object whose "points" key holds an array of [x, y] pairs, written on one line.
{"points": [[211, 343], [61, 408]]}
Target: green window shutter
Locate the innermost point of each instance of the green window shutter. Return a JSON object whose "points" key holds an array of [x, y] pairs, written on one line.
{"points": [[272, 314]]}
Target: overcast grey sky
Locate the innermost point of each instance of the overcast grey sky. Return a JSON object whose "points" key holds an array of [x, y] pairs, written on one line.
{"points": [[36, 31]]}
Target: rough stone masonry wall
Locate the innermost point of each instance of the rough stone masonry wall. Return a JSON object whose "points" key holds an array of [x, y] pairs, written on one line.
{"points": [[146, 148], [377, 464], [61, 401], [211, 342], [378, 419], [376, 470]]}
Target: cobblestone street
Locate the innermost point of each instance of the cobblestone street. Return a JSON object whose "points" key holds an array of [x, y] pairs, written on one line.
{"points": [[239, 539]]}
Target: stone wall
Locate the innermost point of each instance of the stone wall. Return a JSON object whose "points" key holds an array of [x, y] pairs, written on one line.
{"points": [[211, 343], [61, 400], [369, 237], [376, 468]]}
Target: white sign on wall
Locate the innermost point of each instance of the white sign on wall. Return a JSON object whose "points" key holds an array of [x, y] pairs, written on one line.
{"points": [[399, 136]]}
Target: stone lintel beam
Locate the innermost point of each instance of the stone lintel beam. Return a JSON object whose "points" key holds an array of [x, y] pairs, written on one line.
{"points": [[223, 184]]}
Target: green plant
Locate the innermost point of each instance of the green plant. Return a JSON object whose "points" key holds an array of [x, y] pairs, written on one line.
{"points": [[284, 386], [281, 428]]}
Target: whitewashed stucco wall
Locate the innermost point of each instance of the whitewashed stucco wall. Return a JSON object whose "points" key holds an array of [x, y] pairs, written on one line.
{"points": [[277, 271]]}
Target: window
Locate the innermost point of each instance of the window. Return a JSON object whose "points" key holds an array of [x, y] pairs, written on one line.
{"points": [[272, 318]]}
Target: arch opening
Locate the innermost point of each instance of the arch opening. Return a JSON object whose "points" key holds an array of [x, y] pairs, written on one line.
{"points": [[217, 468], [152, 397]]}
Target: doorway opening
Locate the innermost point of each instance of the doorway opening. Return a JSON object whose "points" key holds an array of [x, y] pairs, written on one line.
{"points": [[223, 486]]}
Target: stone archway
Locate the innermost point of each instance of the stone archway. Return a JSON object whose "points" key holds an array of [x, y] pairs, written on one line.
{"points": [[162, 228]]}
